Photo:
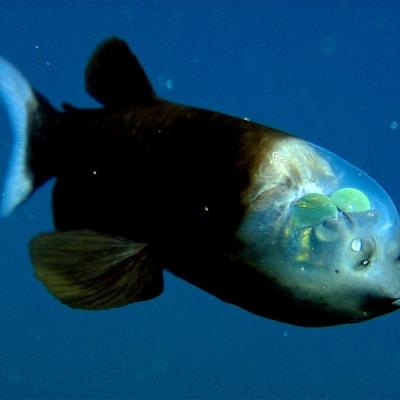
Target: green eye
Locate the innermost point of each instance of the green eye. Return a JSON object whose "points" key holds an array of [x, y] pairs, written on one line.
{"points": [[351, 200], [313, 209]]}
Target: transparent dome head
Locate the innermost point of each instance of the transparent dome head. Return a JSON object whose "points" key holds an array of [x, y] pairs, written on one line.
{"points": [[316, 224]]}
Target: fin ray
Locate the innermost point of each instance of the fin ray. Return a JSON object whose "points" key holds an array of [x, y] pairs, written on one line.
{"points": [[85, 269]]}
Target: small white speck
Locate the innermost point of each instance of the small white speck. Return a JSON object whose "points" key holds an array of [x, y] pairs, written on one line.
{"points": [[169, 84], [394, 125], [47, 63], [246, 119], [356, 245], [206, 208], [37, 47], [94, 172], [159, 131]]}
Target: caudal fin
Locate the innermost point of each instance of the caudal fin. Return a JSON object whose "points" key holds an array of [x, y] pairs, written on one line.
{"points": [[28, 113]]}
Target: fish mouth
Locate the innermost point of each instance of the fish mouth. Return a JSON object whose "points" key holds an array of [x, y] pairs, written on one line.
{"points": [[396, 302], [382, 306]]}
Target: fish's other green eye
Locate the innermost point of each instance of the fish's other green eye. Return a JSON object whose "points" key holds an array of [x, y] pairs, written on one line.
{"points": [[313, 209], [351, 200]]}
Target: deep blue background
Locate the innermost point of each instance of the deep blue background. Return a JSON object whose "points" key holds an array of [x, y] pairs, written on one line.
{"points": [[328, 72]]}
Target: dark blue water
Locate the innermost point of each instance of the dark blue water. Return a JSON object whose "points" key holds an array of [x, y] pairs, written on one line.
{"points": [[328, 72]]}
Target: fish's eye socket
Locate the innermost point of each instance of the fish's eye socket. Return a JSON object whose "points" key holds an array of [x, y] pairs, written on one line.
{"points": [[366, 262], [365, 250]]}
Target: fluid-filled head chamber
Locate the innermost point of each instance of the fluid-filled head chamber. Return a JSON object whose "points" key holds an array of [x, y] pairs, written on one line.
{"points": [[322, 232]]}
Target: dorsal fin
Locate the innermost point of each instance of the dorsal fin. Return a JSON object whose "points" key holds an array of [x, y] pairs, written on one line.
{"points": [[115, 78]]}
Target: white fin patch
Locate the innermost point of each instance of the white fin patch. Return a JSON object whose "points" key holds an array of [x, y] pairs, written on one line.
{"points": [[19, 100]]}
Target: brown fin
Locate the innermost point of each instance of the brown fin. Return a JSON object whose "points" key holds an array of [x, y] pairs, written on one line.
{"points": [[115, 78], [88, 270]]}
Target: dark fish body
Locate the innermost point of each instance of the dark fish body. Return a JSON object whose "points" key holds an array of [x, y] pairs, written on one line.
{"points": [[250, 214], [174, 179]]}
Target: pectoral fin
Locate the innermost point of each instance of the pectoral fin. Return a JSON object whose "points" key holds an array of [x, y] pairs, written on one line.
{"points": [[89, 270]]}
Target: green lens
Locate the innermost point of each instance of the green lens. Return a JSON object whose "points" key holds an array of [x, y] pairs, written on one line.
{"points": [[351, 200], [313, 209]]}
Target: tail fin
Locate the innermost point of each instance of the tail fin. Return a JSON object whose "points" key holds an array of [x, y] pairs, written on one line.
{"points": [[28, 113]]}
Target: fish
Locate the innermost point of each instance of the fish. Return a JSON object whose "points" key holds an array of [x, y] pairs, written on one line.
{"points": [[255, 216]]}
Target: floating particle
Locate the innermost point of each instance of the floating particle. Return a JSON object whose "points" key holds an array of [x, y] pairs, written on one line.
{"points": [[381, 22], [329, 46]]}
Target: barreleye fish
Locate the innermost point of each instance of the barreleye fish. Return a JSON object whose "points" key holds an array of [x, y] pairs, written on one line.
{"points": [[257, 217]]}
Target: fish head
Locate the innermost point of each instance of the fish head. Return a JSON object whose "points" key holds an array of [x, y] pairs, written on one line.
{"points": [[324, 235]]}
